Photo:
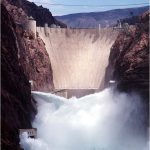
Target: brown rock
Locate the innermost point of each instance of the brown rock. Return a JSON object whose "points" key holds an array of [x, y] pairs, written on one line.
{"points": [[32, 55], [40, 14], [35, 61], [129, 59], [17, 110]]}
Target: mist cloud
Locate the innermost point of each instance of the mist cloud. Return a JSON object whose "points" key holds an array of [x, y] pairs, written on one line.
{"points": [[102, 121]]}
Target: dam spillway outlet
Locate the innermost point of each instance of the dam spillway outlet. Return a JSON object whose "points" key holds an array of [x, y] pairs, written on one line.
{"points": [[78, 57], [69, 93], [106, 120]]}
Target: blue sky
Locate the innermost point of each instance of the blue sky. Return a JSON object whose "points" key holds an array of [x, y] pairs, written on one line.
{"points": [[62, 10]]}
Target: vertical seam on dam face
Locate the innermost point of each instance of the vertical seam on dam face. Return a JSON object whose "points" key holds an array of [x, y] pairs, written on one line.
{"points": [[79, 57]]}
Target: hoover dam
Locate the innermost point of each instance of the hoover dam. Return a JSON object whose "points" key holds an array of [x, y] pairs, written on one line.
{"points": [[78, 57], [73, 89]]}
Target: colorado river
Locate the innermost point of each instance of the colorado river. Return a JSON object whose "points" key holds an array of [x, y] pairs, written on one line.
{"points": [[106, 120]]}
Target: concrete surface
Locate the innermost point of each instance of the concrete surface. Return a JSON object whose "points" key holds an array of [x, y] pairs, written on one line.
{"points": [[79, 57]]}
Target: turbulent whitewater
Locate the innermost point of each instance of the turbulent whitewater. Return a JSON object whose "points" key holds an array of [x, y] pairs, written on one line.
{"points": [[102, 121]]}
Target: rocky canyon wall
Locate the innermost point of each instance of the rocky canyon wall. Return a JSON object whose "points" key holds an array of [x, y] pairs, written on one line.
{"points": [[17, 109], [129, 59], [32, 54], [40, 14], [23, 58]]}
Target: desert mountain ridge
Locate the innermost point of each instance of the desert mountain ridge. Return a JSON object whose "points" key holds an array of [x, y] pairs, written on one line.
{"points": [[105, 18]]}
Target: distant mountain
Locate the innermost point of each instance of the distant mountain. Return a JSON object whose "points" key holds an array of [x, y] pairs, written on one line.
{"points": [[106, 18]]}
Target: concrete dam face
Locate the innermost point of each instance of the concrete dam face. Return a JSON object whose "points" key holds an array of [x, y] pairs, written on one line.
{"points": [[79, 57]]}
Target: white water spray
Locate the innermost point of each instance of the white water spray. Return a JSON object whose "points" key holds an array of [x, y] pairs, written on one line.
{"points": [[103, 121]]}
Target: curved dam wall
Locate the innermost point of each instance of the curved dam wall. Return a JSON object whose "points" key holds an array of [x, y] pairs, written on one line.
{"points": [[79, 57]]}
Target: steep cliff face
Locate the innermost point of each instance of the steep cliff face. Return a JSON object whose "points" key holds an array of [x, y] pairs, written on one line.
{"points": [[17, 13], [32, 55], [40, 14], [129, 59], [35, 61], [23, 58], [17, 109]]}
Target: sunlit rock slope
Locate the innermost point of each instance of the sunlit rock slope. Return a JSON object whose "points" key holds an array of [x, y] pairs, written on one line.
{"points": [[32, 55]]}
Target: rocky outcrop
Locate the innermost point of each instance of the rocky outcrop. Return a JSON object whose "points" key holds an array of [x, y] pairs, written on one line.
{"points": [[17, 109], [32, 55], [129, 59], [35, 61], [23, 58], [40, 14], [18, 14]]}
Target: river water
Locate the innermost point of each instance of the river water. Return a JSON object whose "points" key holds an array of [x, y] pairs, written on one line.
{"points": [[107, 120]]}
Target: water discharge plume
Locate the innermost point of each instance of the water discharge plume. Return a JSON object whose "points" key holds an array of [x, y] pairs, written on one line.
{"points": [[102, 121]]}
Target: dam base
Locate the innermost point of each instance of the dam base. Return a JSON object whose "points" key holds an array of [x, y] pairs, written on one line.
{"points": [[69, 93]]}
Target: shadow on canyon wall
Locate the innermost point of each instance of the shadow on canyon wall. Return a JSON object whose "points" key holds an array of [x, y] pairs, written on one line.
{"points": [[17, 110], [23, 58], [129, 59]]}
